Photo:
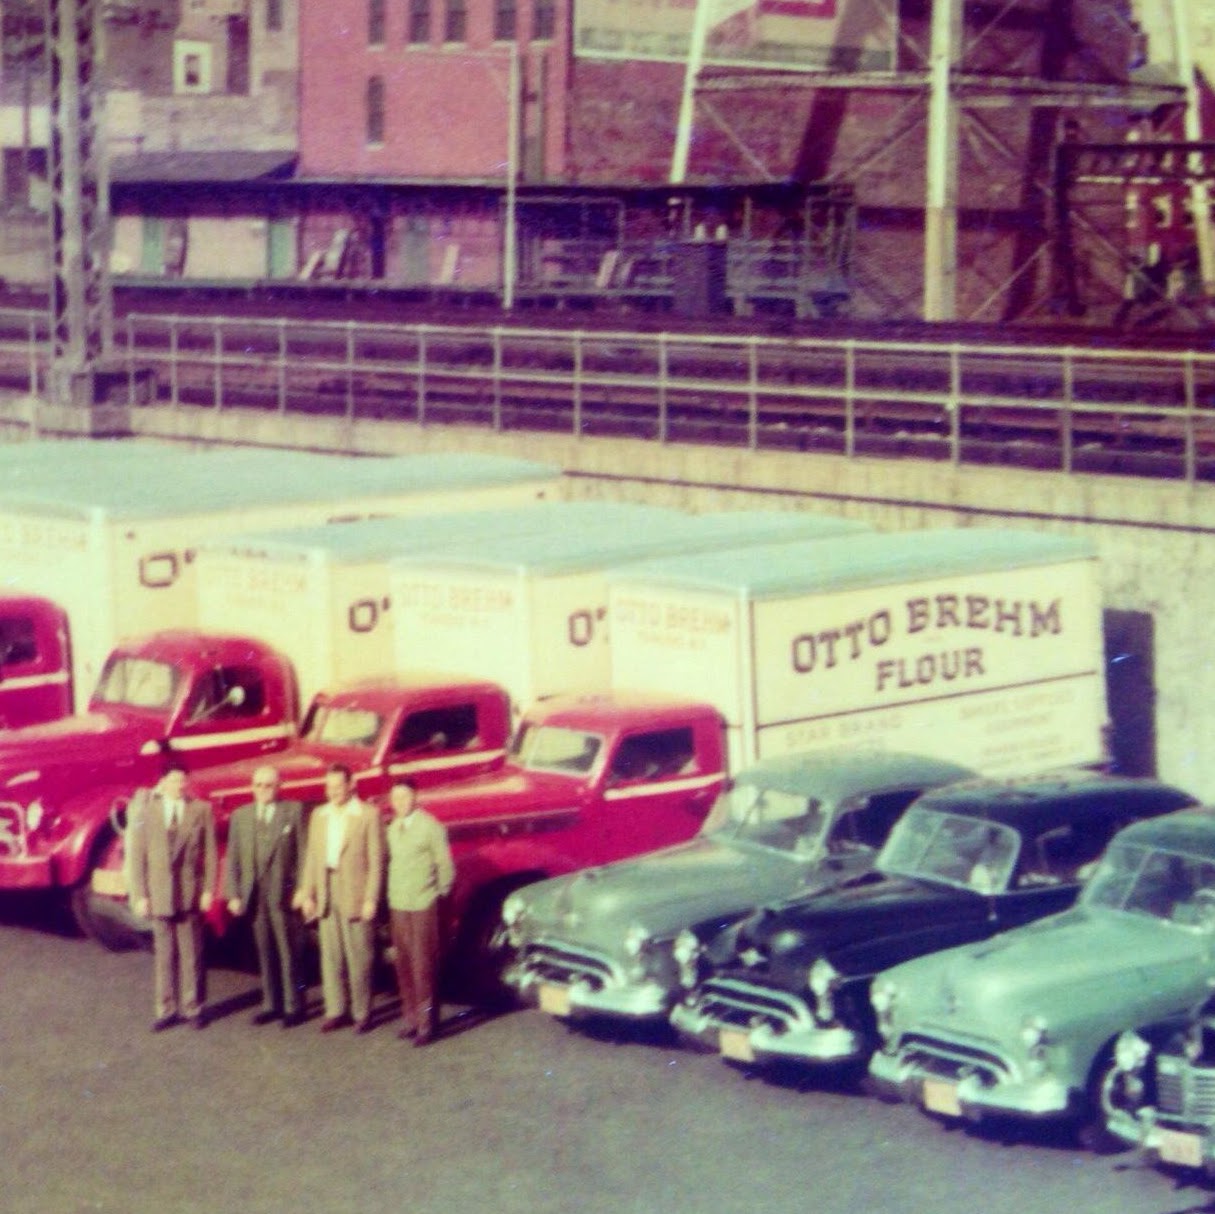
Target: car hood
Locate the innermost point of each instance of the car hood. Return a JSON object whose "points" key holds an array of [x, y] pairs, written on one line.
{"points": [[779, 943], [1078, 966], [666, 890]]}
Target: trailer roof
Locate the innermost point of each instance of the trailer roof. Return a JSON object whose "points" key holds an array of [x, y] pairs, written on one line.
{"points": [[124, 479], [854, 562], [607, 542]]}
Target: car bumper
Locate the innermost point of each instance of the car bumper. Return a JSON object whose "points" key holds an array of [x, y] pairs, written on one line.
{"points": [[581, 1000], [27, 872], [1168, 1143], [806, 1044], [1038, 1098]]}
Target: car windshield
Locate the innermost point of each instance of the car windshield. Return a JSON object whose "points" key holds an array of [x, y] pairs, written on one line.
{"points": [[771, 817], [551, 748], [331, 725], [1168, 885], [970, 853], [137, 683]]}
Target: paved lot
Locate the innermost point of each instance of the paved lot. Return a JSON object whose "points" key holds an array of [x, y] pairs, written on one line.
{"points": [[514, 1114]]}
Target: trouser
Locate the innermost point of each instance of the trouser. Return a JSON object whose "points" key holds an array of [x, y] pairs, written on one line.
{"points": [[276, 938], [415, 940], [347, 952], [177, 952]]}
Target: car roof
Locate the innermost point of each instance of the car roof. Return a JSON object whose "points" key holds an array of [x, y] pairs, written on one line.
{"points": [[1189, 830], [835, 774], [1031, 802]]}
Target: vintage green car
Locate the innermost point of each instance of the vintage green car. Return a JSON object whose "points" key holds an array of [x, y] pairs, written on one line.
{"points": [[599, 943], [1026, 1026]]}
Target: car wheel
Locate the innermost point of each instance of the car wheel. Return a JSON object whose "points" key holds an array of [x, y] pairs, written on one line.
{"points": [[482, 952], [1102, 1100], [101, 917]]}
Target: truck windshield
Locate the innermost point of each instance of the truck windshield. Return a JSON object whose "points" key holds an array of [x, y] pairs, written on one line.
{"points": [[137, 683], [1168, 885], [331, 725], [771, 817], [549, 748], [970, 853]]}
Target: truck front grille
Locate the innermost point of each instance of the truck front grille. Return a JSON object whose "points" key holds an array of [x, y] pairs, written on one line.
{"points": [[949, 1060], [727, 1002], [1184, 1090]]}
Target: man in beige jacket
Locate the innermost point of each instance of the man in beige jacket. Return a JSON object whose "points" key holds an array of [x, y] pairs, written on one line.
{"points": [[172, 858], [340, 885]]}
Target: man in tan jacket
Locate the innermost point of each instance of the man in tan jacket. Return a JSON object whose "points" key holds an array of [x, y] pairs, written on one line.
{"points": [[172, 857], [340, 885]]}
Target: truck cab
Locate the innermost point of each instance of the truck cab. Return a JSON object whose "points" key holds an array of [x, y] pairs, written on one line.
{"points": [[204, 700], [35, 661]]}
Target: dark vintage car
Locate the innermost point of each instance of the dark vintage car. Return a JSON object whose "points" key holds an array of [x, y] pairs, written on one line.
{"points": [[790, 984], [1032, 1026], [599, 943]]}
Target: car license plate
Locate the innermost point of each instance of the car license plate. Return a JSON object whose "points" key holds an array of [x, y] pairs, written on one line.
{"points": [[736, 1044], [941, 1097], [110, 882], [555, 1000], [1180, 1148]]}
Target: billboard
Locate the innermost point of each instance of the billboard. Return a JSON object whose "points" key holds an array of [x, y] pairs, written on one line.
{"points": [[808, 35]]}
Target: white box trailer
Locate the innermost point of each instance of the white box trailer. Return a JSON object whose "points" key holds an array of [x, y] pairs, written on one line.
{"points": [[530, 611], [323, 595], [109, 530], [983, 647]]}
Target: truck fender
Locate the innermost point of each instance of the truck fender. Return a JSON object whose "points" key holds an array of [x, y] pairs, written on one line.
{"points": [[99, 815], [507, 862]]}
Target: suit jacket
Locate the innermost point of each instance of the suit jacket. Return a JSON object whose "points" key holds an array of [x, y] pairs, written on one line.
{"points": [[359, 876], [271, 871], [172, 878]]}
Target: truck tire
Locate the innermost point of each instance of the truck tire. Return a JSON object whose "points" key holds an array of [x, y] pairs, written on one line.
{"points": [[106, 920], [482, 954]]}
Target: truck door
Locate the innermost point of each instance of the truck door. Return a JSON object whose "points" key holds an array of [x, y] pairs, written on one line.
{"points": [[441, 744], [227, 716], [654, 794]]}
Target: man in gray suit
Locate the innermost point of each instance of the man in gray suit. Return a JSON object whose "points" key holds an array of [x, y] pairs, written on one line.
{"points": [[265, 843], [171, 844]]}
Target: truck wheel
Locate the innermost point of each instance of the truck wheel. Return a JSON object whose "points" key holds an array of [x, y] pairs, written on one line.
{"points": [[107, 920], [482, 953]]}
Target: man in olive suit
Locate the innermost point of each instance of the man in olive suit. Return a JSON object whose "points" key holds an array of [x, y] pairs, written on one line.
{"points": [[265, 844], [171, 843], [341, 882]]}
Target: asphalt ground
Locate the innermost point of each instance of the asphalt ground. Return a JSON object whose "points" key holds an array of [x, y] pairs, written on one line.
{"points": [[514, 1113]]}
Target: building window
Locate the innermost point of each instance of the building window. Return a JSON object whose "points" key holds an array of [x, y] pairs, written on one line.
{"points": [[544, 19], [419, 21], [505, 14], [376, 22], [191, 67], [375, 109], [455, 29], [274, 14]]}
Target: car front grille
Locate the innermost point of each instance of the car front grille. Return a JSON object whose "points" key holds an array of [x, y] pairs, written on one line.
{"points": [[745, 1005], [1184, 1090], [566, 966], [950, 1060]]}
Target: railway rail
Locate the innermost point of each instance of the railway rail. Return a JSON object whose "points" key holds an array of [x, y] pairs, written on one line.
{"points": [[1073, 407]]}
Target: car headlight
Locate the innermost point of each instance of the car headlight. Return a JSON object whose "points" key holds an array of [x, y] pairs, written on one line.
{"points": [[687, 947], [883, 995], [1034, 1033], [1131, 1051], [635, 940], [822, 980], [1193, 1041], [514, 908]]}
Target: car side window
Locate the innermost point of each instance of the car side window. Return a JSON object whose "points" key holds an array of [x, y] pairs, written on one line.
{"points": [[657, 755], [867, 821], [1066, 854], [227, 693]]}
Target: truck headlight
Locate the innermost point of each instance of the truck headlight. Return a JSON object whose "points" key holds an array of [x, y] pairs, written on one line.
{"points": [[34, 815], [635, 940]]}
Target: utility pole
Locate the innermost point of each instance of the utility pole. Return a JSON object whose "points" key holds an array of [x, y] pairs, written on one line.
{"points": [[81, 305]]}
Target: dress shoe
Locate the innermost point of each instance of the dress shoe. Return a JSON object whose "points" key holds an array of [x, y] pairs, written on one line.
{"points": [[266, 1016], [363, 1026], [199, 1021], [165, 1022], [407, 1032], [334, 1023], [422, 1039], [292, 1020]]}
